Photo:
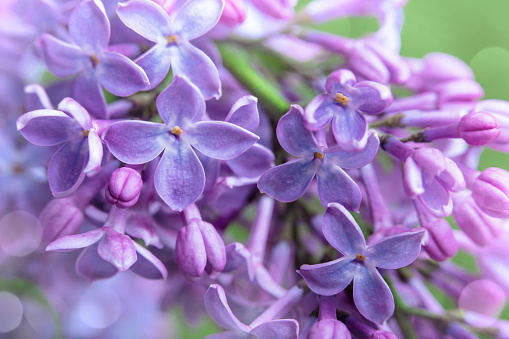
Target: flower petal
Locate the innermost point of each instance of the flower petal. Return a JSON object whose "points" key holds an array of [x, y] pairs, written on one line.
{"points": [[91, 267], [371, 97], [395, 251], [329, 278], [61, 58], [75, 110], [179, 177], [293, 135], [334, 185], [190, 61], [358, 159], [89, 26], [65, 169], [156, 64], [88, 92], [435, 198], [120, 75], [338, 80], [190, 251], [137, 142], [349, 128], [196, 18], [71, 242], [319, 112], [145, 18], [95, 154], [342, 231], [218, 309], [148, 265], [117, 249], [220, 140], [45, 127], [36, 98], [253, 162], [371, 295], [244, 113], [180, 103], [288, 182], [283, 328], [412, 178]]}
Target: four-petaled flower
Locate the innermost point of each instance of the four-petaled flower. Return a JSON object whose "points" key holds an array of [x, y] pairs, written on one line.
{"points": [[371, 293]]}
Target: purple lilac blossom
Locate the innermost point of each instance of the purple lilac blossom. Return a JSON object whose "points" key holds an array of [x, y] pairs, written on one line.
{"points": [[172, 34], [372, 296], [179, 177], [289, 181]]}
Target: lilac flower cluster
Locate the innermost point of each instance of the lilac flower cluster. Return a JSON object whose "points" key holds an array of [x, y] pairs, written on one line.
{"points": [[175, 153]]}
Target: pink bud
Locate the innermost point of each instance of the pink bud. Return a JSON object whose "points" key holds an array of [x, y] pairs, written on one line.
{"points": [[491, 192], [329, 329], [479, 128], [60, 217], [190, 251], [234, 12], [441, 242], [124, 187]]}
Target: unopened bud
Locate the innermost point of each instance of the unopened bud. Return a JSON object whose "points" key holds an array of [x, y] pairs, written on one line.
{"points": [[60, 217], [329, 329], [234, 12], [124, 187], [491, 192], [479, 128], [441, 242]]}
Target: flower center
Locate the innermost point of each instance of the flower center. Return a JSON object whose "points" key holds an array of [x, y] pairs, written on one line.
{"points": [[85, 133], [341, 99], [319, 155], [359, 257], [172, 39], [176, 131], [17, 168], [94, 58]]}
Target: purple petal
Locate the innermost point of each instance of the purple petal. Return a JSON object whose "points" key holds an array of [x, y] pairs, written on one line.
{"points": [[190, 61], [117, 249], [190, 251], [244, 113], [395, 251], [349, 128], [148, 265], [253, 162], [412, 178], [120, 75], [371, 97], [91, 267], [196, 18], [179, 177], [435, 198], [71, 242], [230, 335], [137, 142], [319, 112], [61, 58], [145, 18], [329, 278], [371, 295], [180, 103], [220, 140], [214, 245], [288, 182], [338, 80], [293, 135], [284, 328], [218, 309], [358, 159], [342, 232], [334, 185], [88, 92], [47, 127], [36, 98], [74, 109], [95, 154], [156, 64], [89, 26], [65, 169]]}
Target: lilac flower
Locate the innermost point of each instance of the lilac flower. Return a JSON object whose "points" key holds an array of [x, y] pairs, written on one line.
{"points": [[343, 103], [172, 34], [179, 177], [89, 28], [81, 153], [491, 192], [262, 327], [124, 187], [372, 296], [290, 181]]}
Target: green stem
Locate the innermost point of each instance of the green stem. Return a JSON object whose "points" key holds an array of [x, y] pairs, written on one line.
{"points": [[270, 99]]}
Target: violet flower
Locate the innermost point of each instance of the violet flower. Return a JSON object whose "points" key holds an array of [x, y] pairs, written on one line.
{"points": [[343, 104], [81, 153], [172, 35], [179, 177], [89, 28], [371, 294], [290, 181]]}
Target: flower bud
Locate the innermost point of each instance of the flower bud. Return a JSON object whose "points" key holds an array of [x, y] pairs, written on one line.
{"points": [[491, 192], [329, 329], [124, 187], [234, 12], [365, 331], [441, 243], [60, 217], [479, 128]]}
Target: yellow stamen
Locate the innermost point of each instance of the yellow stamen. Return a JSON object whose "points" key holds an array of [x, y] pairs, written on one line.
{"points": [[319, 155], [341, 99], [172, 39], [176, 131], [94, 59], [359, 257], [85, 133]]}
